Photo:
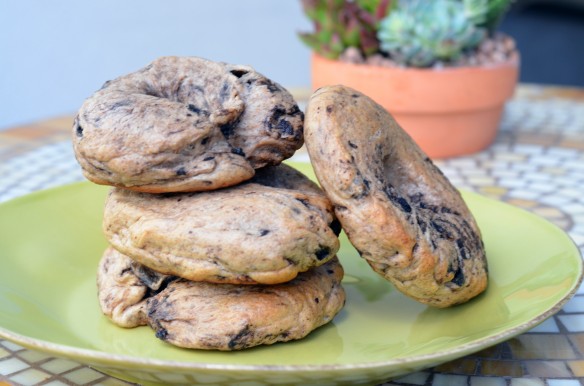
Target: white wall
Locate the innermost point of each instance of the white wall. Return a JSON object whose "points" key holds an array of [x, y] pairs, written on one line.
{"points": [[55, 53]]}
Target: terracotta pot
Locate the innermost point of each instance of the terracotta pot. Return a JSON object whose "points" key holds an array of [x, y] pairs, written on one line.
{"points": [[448, 112]]}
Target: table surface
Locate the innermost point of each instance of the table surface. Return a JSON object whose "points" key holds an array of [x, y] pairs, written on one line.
{"points": [[536, 163]]}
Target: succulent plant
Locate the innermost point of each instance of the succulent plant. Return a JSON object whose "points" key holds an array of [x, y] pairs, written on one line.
{"points": [[420, 32], [339, 24], [495, 11]]}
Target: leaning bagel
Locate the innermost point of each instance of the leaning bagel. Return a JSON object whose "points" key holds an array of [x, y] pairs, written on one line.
{"points": [[185, 124], [397, 208]]}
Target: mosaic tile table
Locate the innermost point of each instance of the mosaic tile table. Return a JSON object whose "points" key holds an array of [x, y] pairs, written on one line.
{"points": [[537, 163]]}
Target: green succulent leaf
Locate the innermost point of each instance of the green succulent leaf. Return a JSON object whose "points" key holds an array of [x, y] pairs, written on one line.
{"points": [[352, 37], [368, 5], [340, 24], [313, 43], [497, 9], [412, 32], [476, 10], [420, 32]]}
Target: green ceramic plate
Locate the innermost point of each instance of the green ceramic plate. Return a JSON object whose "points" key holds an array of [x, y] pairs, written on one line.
{"points": [[51, 241]]}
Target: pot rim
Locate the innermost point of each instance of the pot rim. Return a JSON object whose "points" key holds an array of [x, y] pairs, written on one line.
{"points": [[414, 90], [513, 61]]}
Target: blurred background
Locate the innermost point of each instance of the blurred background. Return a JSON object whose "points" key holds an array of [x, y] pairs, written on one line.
{"points": [[54, 54]]}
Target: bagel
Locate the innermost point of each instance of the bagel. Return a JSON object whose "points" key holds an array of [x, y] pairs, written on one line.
{"points": [[120, 292], [264, 231], [397, 208], [218, 316], [185, 124]]}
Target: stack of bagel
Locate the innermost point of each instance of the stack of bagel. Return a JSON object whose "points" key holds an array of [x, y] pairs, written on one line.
{"points": [[213, 242], [217, 245]]}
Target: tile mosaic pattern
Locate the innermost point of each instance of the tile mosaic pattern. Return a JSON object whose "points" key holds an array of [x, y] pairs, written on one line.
{"points": [[537, 163], [20, 366]]}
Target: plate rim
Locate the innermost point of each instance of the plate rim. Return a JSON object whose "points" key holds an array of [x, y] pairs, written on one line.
{"points": [[98, 358]]}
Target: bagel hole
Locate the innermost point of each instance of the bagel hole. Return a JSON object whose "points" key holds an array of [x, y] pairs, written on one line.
{"points": [[322, 252], [239, 73], [336, 227]]}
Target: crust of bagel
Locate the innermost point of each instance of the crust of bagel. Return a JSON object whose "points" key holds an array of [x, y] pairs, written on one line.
{"points": [[397, 208]]}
